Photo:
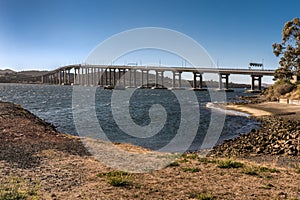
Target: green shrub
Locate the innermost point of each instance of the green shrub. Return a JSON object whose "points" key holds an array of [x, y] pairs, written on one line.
{"points": [[206, 160], [173, 164], [193, 170], [118, 178], [281, 87], [12, 193], [265, 169], [202, 196], [251, 171], [15, 188], [229, 164]]}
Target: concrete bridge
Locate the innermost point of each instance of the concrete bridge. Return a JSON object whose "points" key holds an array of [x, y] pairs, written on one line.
{"points": [[117, 76]]}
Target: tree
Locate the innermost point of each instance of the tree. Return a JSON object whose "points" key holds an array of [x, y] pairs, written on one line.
{"points": [[289, 50]]}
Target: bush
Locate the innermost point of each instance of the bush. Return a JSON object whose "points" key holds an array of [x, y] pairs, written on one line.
{"points": [[230, 164], [281, 87], [14, 188], [193, 170], [118, 178]]}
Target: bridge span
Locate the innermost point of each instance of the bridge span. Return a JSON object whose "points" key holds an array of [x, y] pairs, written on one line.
{"points": [[121, 76]]}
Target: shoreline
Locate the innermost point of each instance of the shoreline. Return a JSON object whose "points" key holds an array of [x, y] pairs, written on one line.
{"points": [[267, 109], [277, 138], [38, 162]]}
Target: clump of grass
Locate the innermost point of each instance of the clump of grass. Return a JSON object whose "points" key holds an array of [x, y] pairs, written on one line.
{"points": [[229, 164], [192, 156], [118, 178], [207, 196], [202, 196], [173, 164], [186, 157], [268, 186], [12, 193], [184, 160], [16, 189], [251, 171], [265, 169], [193, 170], [206, 160], [256, 171], [297, 171]]}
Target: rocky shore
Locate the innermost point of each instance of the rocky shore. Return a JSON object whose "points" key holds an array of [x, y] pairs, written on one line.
{"points": [[37, 162], [277, 136]]}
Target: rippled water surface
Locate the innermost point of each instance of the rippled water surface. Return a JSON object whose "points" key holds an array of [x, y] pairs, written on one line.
{"points": [[54, 104]]}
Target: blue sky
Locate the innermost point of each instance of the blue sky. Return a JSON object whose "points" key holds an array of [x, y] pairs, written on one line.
{"points": [[45, 34]]}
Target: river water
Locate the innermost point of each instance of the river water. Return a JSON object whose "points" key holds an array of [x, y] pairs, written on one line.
{"points": [[55, 104]]}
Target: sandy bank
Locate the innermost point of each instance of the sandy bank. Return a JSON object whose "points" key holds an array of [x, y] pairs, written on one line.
{"points": [[268, 108]]}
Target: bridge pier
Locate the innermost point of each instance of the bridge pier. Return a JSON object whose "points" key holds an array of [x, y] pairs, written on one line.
{"points": [[130, 79], [134, 78], [144, 72], [101, 81], [157, 85], [120, 85], [253, 79], [176, 73], [75, 77], [200, 86], [226, 77]]}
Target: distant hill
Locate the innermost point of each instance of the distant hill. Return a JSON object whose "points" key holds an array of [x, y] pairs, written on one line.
{"points": [[7, 71], [10, 76]]}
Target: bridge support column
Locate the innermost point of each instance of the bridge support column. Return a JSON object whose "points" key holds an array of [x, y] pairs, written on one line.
{"points": [[114, 78], [124, 78], [142, 78], [98, 75], [134, 78], [101, 83], [200, 86], [156, 78], [59, 77], [157, 85], [81, 77], [144, 72], [75, 76], [64, 77], [253, 79], [175, 73], [121, 80], [147, 78], [86, 77], [69, 77], [107, 75], [226, 77], [91, 79], [130, 78]]}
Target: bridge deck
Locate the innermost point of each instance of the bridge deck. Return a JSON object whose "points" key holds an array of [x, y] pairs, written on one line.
{"points": [[177, 69]]}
